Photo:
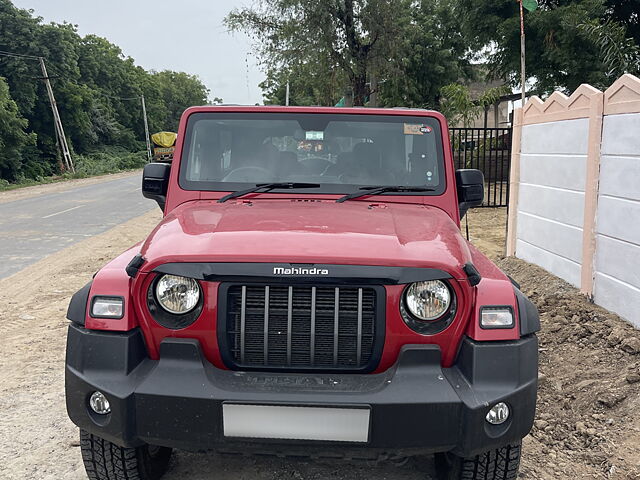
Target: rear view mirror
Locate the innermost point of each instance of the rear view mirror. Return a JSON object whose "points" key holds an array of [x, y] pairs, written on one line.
{"points": [[470, 189], [155, 181]]}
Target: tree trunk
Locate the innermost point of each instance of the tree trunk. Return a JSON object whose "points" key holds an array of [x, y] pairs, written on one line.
{"points": [[373, 91], [359, 90]]}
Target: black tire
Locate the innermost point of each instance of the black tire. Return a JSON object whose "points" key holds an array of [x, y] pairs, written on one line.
{"points": [[499, 464], [104, 460]]}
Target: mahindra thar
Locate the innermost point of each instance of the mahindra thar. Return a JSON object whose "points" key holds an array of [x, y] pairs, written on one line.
{"points": [[308, 292]]}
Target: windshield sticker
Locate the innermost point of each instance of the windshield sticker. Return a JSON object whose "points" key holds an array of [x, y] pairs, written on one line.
{"points": [[412, 129], [311, 135]]}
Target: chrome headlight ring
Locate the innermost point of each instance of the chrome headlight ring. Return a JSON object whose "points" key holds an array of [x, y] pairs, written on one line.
{"points": [[168, 295], [428, 307]]}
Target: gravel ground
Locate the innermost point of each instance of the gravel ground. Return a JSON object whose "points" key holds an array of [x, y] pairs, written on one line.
{"points": [[587, 425]]}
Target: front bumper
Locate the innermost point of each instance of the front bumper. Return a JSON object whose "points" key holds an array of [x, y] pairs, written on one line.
{"points": [[416, 406]]}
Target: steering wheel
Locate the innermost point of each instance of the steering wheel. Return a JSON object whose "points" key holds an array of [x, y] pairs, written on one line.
{"points": [[249, 175]]}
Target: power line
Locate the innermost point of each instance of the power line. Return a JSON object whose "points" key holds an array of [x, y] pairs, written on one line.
{"points": [[139, 97], [18, 55], [32, 57], [144, 117], [60, 136]]}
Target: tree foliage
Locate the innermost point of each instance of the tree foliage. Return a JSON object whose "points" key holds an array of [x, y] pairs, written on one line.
{"points": [[434, 54], [406, 51], [561, 52], [352, 39], [627, 13], [14, 142], [402, 51], [618, 53], [459, 107], [98, 90]]}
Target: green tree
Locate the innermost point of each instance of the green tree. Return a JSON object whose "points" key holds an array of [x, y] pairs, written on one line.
{"points": [[619, 54], [178, 90], [434, 54], [459, 107], [626, 12], [310, 83], [98, 90], [559, 52], [14, 141], [353, 37]]}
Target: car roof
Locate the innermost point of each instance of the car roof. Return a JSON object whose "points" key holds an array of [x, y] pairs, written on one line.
{"points": [[312, 109]]}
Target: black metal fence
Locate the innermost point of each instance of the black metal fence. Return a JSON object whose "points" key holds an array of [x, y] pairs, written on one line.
{"points": [[488, 150]]}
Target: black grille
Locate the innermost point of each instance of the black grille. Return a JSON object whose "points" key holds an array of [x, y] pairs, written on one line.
{"points": [[302, 327]]}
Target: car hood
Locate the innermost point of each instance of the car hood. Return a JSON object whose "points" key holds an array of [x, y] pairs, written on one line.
{"points": [[308, 232]]}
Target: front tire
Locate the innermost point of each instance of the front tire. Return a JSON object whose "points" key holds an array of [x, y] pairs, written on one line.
{"points": [[104, 460], [499, 464]]}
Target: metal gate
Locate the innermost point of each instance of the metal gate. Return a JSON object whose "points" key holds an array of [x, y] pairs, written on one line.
{"points": [[488, 150]]}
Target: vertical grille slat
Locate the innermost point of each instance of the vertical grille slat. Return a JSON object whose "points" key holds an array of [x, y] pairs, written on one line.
{"points": [[290, 327], [243, 316], [289, 324], [359, 337], [312, 346], [265, 331], [336, 326]]}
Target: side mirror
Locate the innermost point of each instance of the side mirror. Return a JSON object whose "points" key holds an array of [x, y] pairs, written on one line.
{"points": [[470, 189], [155, 181]]}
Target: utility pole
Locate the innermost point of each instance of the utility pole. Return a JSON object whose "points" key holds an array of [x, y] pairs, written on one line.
{"points": [[146, 128], [60, 136], [523, 74], [287, 95]]}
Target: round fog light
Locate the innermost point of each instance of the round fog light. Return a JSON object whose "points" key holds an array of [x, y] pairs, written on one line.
{"points": [[99, 403], [498, 414]]}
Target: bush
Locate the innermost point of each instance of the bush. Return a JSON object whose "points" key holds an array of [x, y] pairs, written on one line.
{"points": [[109, 160]]}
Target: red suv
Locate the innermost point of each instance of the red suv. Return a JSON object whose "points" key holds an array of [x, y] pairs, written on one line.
{"points": [[308, 292]]}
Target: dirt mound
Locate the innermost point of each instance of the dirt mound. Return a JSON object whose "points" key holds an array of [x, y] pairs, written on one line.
{"points": [[588, 425]]}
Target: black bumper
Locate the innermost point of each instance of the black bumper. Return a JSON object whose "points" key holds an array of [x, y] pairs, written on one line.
{"points": [[416, 406]]}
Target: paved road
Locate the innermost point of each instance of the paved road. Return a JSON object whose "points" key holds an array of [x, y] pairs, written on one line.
{"points": [[32, 228]]}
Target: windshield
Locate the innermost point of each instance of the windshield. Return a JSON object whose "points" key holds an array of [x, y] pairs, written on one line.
{"points": [[339, 152]]}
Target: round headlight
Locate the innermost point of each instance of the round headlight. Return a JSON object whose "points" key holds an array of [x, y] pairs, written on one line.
{"points": [[429, 300], [177, 295]]}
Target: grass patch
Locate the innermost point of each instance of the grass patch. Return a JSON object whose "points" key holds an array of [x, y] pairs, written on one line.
{"points": [[111, 160]]}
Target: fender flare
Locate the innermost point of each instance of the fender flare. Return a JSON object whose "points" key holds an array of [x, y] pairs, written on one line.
{"points": [[77, 310], [528, 314]]}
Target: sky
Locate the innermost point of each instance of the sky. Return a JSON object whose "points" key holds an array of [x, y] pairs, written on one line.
{"points": [[180, 35]]}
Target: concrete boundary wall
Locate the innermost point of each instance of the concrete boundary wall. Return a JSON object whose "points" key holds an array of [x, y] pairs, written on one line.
{"points": [[574, 206]]}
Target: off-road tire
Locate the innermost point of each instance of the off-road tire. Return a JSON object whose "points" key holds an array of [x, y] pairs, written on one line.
{"points": [[498, 464], [104, 460]]}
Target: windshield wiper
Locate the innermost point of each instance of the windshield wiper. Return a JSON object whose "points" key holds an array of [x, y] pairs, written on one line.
{"points": [[382, 189], [265, 187]]}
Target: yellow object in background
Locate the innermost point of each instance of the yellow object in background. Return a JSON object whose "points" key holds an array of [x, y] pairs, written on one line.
{"points": [[164, 139]]}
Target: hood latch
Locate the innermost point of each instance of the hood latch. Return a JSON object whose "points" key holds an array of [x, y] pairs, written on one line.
{"points": [[134, 265], [472, 274]]}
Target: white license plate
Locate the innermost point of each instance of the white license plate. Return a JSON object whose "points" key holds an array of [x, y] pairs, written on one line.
{"points": [[296, 423]]}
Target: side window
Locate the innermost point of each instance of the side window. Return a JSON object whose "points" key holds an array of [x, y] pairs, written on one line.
{"points": [[193, 173], [207, 153]]}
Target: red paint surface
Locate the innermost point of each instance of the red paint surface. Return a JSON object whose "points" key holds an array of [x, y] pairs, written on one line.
{"points": [[113, 281], [397, 333], [495, 289], [411, 231], [284, 231]]}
